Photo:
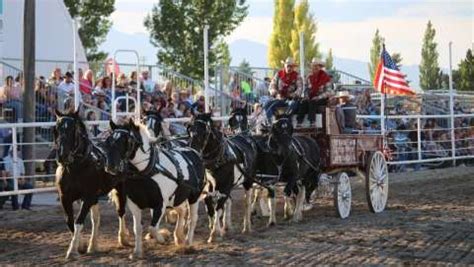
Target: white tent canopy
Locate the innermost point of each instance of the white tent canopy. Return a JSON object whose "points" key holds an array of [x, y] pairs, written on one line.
{"points": [[54, 42]]}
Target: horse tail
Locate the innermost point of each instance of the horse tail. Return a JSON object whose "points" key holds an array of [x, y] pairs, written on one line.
{"points": [[114, 197]]}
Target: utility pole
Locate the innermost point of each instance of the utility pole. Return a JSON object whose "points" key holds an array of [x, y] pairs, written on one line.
{"points": [[29, 42]]}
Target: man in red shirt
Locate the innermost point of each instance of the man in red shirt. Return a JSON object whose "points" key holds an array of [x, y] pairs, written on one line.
{"points": [[316, 95], [285, 87]]}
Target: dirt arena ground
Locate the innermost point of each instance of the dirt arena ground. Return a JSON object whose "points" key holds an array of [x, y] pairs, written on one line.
{"points": [[429, 220]]}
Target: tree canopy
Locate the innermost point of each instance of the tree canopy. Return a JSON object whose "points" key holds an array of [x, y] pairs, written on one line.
{"points": [[429, 67]]}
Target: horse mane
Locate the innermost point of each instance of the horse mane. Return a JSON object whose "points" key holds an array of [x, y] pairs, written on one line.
{"points": [[207, 117], [142, 128]]}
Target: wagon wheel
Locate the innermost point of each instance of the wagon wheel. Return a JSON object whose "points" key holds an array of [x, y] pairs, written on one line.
{"points": [[342, 195], [376, 182]]}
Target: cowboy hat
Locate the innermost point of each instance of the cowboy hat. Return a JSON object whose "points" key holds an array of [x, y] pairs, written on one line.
{"points": [[343, 94], [289, 61], [316, 61]]}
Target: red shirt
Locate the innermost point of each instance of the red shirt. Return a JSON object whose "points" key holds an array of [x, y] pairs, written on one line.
{"points": [[85, 86], [286, 80], [317, 80]]}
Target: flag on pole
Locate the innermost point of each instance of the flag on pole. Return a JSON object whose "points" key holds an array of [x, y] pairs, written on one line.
{"points": [[389, 79]]}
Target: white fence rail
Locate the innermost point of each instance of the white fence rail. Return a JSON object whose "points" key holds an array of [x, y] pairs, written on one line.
{"points": [[416, 154]]}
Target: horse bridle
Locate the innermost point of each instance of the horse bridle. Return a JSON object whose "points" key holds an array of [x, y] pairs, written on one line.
{"points": [[154, 117], [78, 135]]}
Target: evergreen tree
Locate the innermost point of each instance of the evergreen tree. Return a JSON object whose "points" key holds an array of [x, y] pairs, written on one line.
{"points": [[304, 22], [94, 24], [176, 29], [244, 68], [466, 73], [330, 67], [280, 39], [429, 68], [375, 51], [397, 59], [330, 60]]}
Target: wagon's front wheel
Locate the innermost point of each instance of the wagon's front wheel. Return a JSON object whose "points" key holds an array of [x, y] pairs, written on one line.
{"points": [[342, 195], [376, 182]]}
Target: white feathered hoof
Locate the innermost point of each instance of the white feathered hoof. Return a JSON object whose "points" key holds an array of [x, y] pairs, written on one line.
{"points": [[136, 256], [92, 248], [71, 255]]}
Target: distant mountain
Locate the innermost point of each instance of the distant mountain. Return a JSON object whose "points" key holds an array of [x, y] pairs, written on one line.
{"points": [[255, 53], [137, 41]]}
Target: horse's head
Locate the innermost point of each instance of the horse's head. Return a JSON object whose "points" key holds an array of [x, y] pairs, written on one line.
{"points": [[200, 130], [69, 135], [153, 120], [238, 121], [282, 132], [122, 145]]}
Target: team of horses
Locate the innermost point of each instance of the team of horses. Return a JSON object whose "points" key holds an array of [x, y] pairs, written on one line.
{"points": [[141, 171]]}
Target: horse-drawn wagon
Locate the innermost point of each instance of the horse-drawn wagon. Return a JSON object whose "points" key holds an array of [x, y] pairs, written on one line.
{"points": [[356, 153]]}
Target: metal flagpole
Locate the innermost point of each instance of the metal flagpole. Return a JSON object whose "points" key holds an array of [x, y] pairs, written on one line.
{"points": [[206, 69], [451, 105], [77, 96], [302, 57]]}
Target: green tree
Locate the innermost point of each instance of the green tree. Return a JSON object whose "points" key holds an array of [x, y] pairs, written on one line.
{"points": [[429, 68], [94, 24], [221, 50], [176, 29], [330, 67], [397, 59], [375, 51], [466, 73], [280, 39], [304, 22], [330, 60], [244, 68]]}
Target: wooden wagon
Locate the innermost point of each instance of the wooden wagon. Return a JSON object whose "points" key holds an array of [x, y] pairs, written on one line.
{"points": [[350, 153]]}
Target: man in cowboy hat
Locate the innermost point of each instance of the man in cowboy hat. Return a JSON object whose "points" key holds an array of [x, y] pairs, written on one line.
{"points": [[285, 87], [316, 96], [346, 113]]}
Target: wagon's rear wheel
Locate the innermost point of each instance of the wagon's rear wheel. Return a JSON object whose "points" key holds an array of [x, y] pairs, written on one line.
{"points": [[342, 195], [376, 182]]}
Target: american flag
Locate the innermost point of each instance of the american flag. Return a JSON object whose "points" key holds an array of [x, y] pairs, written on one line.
{"points": [[389, 79]]}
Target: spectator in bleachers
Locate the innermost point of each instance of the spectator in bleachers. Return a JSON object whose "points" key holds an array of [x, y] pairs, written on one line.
{"points": [[133, 80], [56, 78], [199, 105], [262, 88], [12, 93], [147, 84], [168, 89], [87, 82], [42, 103], [185, 99], [106, 87], [65, 90], [92, 116], [6, 88]]}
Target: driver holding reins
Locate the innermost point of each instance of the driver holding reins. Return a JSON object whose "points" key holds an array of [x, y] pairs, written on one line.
{"points": [[285, 88]]}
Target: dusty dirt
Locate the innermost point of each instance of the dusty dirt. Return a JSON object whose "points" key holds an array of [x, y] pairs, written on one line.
{"points": [[429, 220]]}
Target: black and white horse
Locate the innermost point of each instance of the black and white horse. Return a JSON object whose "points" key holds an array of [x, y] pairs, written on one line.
{"points": [[230, 163], [164, 178], [238, 121], [159, 129], [80, 175]]}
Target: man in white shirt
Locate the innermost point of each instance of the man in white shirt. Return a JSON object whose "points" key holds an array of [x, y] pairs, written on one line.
{"points": [[149, 86], [65, 90]]}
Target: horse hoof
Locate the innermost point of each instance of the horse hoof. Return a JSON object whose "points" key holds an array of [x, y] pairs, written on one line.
{"points": [[135, 256], [91, 249], [72, 255], [271, 224], [123, 242]]}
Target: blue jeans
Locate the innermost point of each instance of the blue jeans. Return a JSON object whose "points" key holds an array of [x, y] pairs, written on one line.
{"points": [[26, 200], [274, 104]]}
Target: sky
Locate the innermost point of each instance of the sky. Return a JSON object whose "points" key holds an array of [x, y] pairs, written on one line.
{"points": [[348, 26]]}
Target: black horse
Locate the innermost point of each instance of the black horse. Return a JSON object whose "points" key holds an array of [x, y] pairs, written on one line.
{"points": [[80, 175], [162, 179], [231, 162], [283, 157], [238, 121]]}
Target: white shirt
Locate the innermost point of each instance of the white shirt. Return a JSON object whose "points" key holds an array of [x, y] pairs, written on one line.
{"points": [[66, 88], [149, 85], [9, 166]]}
